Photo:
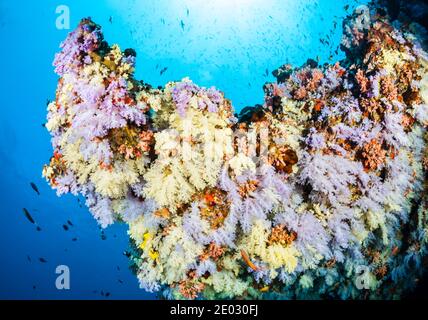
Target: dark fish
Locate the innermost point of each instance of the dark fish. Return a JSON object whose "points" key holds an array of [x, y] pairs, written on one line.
{"points": [[103, 236], [120, 281], [38, 228], [47, 102], [187, 12], [65, 227], [110, 19], [69, 222], [28, 258], [74, 239], [33, 185], [107, 294], [34, 287], [266, 72], [346, 7], [117, 267], [28, 215], [44, 125], [182, 25], [43, 260], [163, 70]]}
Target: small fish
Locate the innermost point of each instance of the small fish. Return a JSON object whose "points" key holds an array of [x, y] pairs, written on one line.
{"points": [[44, 125], [74, 239], [118, 268], [264, 289], [28, 258], [247, 260], [48, 102], [187, 11], [38, 228], [110, 19], [43, 260], [69, 222], [65, 227], [120, 281], [107, 294], [34, 287], [28, 216], [346, 7], [103, 236], [182, 24], [34, 187], [266, 72], [163, 70]]}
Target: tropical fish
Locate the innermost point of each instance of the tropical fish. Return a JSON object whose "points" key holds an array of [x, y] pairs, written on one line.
{"points": [[28, 216], [247, 260], [163, 70], [34, 187]]}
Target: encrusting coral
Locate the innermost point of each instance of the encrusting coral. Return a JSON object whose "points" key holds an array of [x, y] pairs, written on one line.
{"points": [[285, 200]]}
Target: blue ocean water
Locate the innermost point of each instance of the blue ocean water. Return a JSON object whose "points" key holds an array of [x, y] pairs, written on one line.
{"points": [[231, 44]]}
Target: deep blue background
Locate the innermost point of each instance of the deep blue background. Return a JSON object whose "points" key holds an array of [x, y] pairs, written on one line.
{"points": [[233, 45]]}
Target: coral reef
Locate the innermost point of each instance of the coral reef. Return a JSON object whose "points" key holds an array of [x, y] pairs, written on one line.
{"points": [[289, 199]]}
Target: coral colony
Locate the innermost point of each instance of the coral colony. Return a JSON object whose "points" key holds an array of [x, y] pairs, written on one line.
{"points": [[318, 193]]}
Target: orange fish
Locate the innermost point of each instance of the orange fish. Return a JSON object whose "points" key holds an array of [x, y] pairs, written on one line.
{"points": [[248, 261]]}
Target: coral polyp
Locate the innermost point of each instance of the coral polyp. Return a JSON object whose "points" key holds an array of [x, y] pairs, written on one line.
{"points": [[318, 193]]}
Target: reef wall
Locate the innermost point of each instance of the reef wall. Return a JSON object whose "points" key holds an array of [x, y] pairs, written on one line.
{"points": [[318, 193]]}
